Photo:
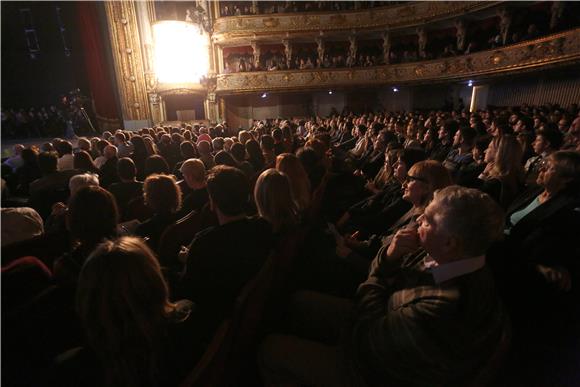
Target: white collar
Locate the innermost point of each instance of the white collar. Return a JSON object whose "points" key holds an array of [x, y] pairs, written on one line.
{"points": [[446, 271]]}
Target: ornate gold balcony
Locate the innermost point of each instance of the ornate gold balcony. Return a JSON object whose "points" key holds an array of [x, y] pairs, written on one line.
{"points": [[242, 28], [554, 50]]}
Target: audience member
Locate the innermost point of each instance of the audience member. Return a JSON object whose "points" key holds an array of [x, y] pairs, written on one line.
{"points": [[134, 334], [163, 196], [429, 289], [216, 271]]}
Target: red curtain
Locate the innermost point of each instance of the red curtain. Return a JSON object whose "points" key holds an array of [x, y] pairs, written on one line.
{"points": [[98, 72]]}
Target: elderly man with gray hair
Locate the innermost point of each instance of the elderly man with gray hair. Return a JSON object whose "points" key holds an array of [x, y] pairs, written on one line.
{"points": [[427, 315]]}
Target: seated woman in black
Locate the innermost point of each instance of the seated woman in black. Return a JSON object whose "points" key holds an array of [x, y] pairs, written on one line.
{"points": [[163, 196], [134, 336], [375, 214], [540, 250]]}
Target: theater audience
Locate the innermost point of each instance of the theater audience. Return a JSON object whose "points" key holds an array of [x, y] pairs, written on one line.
{"points": [[289, 164], [163, 196], [28, 171], [537, 264], [379, 194], [217, 271], [428, 296], [194, 177], [83, 162], [255, 156], [238, 151], [108, 171], [502, 177], [548, 140], [92, 216], [66, 158], [134, 335], [204, 149], [421, 182], [156, 164], [127, 188], [52, 186], [375, 214], [275, 201]]}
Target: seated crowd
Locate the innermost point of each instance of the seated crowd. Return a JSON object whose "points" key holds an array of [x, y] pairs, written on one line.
{"points": [[240, 8], [388, 248], [492, 33]]}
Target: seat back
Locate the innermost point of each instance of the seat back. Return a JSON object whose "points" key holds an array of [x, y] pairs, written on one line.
{"points": [[181, 233], [231, 355]]}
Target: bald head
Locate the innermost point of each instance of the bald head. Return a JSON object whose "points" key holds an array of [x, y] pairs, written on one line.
{"points": [[193, 171]]}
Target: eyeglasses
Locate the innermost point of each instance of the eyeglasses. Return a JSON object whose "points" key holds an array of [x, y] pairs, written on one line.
{"points": [[415, 178]]}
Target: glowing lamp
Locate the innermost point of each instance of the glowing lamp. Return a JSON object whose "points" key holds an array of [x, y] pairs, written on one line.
{"points": [[181, 52]]}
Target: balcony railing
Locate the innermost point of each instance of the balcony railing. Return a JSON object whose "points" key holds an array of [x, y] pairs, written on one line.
{"points": [[553, 50], [398, 16]]}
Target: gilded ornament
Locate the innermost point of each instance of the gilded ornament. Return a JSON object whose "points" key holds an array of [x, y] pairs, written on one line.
{"points": [[337, 20], [271, 22], [420, 70], [497, 58]]}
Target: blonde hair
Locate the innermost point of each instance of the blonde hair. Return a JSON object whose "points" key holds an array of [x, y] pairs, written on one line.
{"points": [[123, 303], [289, 164], [274, 199], [508, 159]]}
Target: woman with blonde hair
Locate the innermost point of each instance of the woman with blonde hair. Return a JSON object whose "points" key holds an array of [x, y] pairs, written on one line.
{"points": [[502, 177], [290, 165], [129, 323], [275, 201]]}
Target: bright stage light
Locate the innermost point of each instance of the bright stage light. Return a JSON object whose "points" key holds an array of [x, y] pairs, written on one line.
{"points": [[181, 52]]}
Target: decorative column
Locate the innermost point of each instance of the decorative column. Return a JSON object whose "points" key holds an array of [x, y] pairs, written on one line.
{"points": [[288, 52], [256, 49], [222, 109], [460, 34], [556, 13], [351, 60], [320, 49], [386, 47], [505, 21], [128, 61], [254, 7], [421, 42]]}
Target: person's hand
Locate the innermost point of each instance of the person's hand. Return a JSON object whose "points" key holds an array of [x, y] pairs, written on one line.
{"points": [[370, 185], [351, 242], [404, 242], [558, 276], [342, 250]]}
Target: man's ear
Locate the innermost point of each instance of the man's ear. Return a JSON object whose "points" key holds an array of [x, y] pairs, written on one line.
{"points": [[452, 245], [212, 205]]}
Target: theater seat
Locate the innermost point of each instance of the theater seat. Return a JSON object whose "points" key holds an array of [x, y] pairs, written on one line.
{"points": [[230, 359]]}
